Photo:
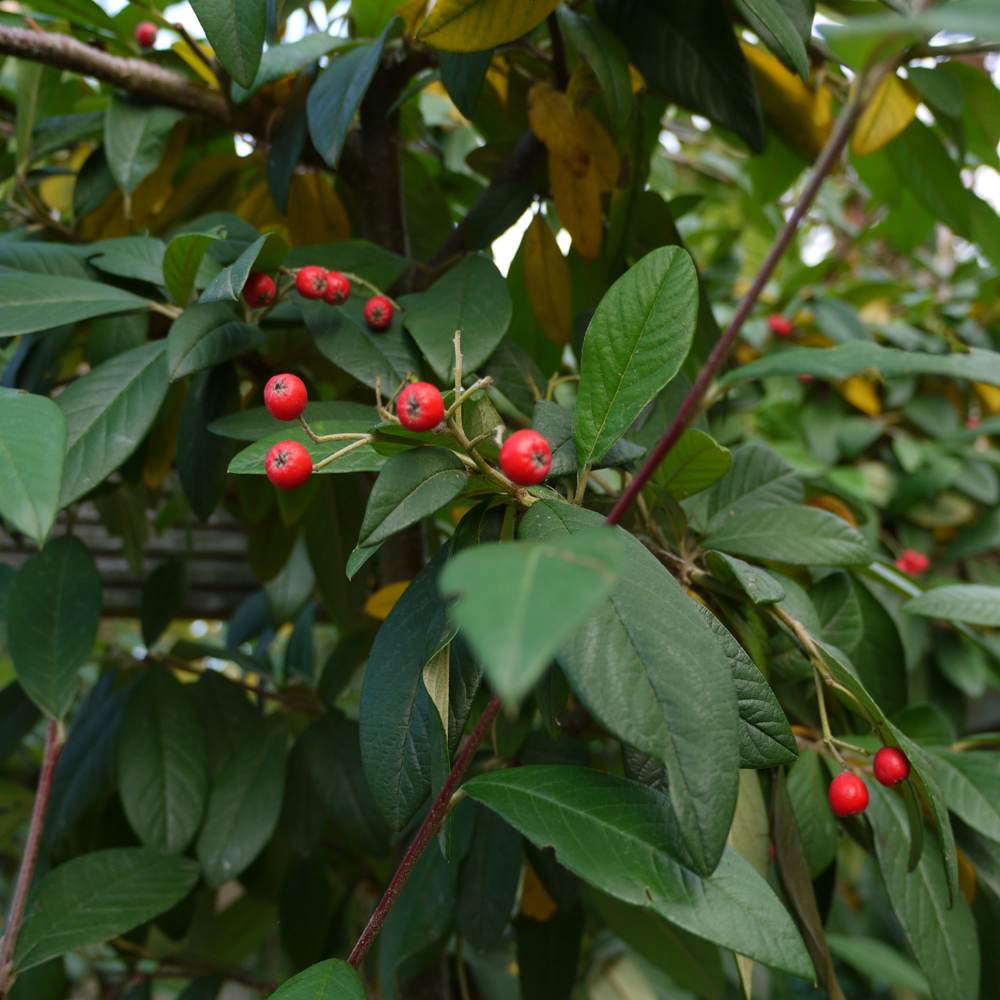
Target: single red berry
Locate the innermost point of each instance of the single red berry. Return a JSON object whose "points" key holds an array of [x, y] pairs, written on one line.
{"points": [[912, 563], [310, 282], [805, 378], [780, 325], [420, 406], [972, 421], [338, 290], [145, 34], [285, 396], [378, 312], [259, 291], [526, 458], [890, 766], [288, 465], [848, 794]]}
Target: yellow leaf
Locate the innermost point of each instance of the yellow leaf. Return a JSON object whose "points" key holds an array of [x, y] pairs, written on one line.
{"points": [[834, 505], [200, 187], [554, 120], [547, 281], [598, 144], [315, 213], [258, 208], [966, 876], [578, 202], [745, 353], [57, 191], [892, 107], [990, 396], [474, 25], [536, 903], [877, 312], [412, 14], [860, 391], [154, 191], [498, 77], [188, 54], [384, 599], [635, 79]]}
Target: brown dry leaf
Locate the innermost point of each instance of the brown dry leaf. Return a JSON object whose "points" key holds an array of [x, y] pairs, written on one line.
{"points": [[547, 281]]}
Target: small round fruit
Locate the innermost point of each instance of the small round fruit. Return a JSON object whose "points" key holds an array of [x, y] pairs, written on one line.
{"points": [[890, 766], [285, 396], [259, 291], [526, 458], [288, 465], [780, 325], [972, 421], [420, 406], [338, 289], [848, 794], [378, 312], [310, 282], [912, 563], [145, 34]]}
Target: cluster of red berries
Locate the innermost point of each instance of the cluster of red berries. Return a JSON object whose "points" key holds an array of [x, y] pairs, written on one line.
{"points": [[849, 794], [912, 563], [145, 34], [781, 326]]}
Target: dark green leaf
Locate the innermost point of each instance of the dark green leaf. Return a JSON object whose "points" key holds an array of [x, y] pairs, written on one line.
{"points": [[775, 28], [693, 464], [606, 56], [136, 257], [250, 461], [235, 30], [878, 961], [135, 136], [555, 424], [329, 980], [163, 594], [206, 335], [181, 262], [287, 59], [971, 785], [757, 584], [264, 254], [463, 75], [975, 604], [807, 786]]}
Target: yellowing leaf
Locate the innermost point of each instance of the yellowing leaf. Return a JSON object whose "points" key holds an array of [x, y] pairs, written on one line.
{"points": [[473, 25], [966, 876], [877, 312], [578, 202], [536, 903], [258, 208], [554, 120], [547, 281], [598, 144], [208, 178], [892, 107], [989, 395], [315, 213], [188, 54], [498, 77], [57, 191], [860, 391], [834, 505], [384, 600], [154, 191], [635, 79]]}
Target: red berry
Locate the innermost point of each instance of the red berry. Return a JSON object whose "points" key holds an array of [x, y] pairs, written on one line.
{"points": [[805, 378], [145, 34], [972, 421], [890, 766], [285, 396], [912, 563], [780, 325], [288, 465], [259, 291], [378, 312], [310, 282], [526, 458], [420, 406], [338, 290], [848, 794]]}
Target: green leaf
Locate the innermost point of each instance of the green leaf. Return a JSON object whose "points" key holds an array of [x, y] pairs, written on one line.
{"points": [[971, 785], [555, 424], [338, 92], [163, 763], [635, 344], [99, 896], [235, 30], [606, 56], [137, 257], [519, 602], [163, 594], [52, 616], [289, 58], [472, 297], [30, 302], [878, 961], [135, 136], [614, 834], [463, 75], [244, 802], [264, 254], [250, 461], [181, 261], [776, 30], [648, 666], [807, 788], [256, 422], [757, 584], [206, 335], [32, 445], [108, 412], [975, 604], [329, 980], [939, 929], [693, 464], [802, 536]]}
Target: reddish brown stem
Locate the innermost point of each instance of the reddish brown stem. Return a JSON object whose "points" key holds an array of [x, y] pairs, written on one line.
{"points": [[50, 756]]}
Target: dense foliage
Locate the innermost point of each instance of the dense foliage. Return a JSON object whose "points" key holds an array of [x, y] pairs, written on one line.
{"points": [[579, 692]]}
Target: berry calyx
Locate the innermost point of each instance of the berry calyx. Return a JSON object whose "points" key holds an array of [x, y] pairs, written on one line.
{"points": [[378, 312], [259, 291], [848, 794], [285, 396], [288, 465], [338, 290], [780, 325], [526, 458], [912, 563], [890, 766], [420, 406], [310, 281], [145, 34]]}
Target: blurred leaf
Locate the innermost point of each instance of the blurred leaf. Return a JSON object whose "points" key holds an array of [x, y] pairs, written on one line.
{"points": [[546, 277], [206, 335], [135, 137], [891, 109], [329, 980], [472, 25], [163, 594], [972, 603]]}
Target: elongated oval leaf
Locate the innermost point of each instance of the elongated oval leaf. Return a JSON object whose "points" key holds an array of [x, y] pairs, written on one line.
{"points": [[471, 25], [135, 136], [181, 261], [971, 786], [774, 25], [329, 980], [693, 464], [973, 603], [264, 254], [52, 615], [206, 335], [98, 896], [235, 30], [250, 461], [635, 344]]}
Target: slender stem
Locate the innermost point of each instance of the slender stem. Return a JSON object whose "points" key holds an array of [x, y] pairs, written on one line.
{"points": [[356, 279], [461, 394], [330, 459], [428, 828], [54, 738], [323, 438]]}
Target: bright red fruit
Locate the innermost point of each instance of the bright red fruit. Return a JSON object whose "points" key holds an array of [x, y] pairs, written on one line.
{"points": [[912, 563], [285, 396], [526, 458], [972, 421], [338, 289], [378, 312], [259, 291], [288, 465], [310, 282], [890, 766], [145, 34], [848, 794], [420, 406], [780, 325]]}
